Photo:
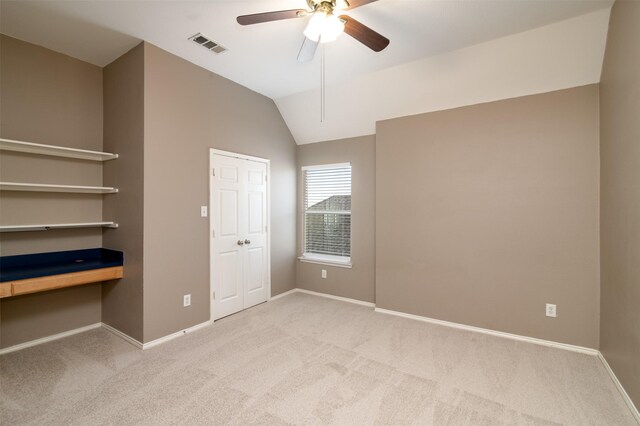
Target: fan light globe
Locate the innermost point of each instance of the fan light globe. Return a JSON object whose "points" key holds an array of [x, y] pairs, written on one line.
{"points": [[324, 27], [314, 28], [333, 27], [341, 4]]}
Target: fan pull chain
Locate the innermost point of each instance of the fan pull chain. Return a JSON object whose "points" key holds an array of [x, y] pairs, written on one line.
{"points": [[322, 86]]}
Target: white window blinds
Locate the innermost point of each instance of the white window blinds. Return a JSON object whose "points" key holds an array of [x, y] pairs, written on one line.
{"points": [[327, 212]]}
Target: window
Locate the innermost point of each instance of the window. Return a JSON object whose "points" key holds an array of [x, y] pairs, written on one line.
{"points": [[327, 213]]}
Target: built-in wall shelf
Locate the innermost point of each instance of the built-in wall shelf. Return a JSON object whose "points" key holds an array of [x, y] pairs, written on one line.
{"points": [[53, 150], [56, 151], [51, 226], [44, 187]]}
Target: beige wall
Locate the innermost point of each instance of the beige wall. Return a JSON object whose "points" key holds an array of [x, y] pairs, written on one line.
{"points": [[187, 111], [359, 281], [161, 114], [620, 202], [124, 134], [504, 218], [486, 213], [48, 98]]}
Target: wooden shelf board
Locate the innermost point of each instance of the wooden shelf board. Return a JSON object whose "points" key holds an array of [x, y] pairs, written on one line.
{"points": [[53, 150], [50, 226], [5, 290], [52, 282]]}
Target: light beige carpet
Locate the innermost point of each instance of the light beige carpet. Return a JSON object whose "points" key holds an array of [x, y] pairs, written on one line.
{"points": [[308, 360]]}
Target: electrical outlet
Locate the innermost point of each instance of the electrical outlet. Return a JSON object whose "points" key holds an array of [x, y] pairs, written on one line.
{"points": [[551, 310], [324, 273], [186, 300], [203, 211]]}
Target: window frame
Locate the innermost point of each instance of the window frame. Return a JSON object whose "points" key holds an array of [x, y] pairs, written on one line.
{"points": [[325, 259]]}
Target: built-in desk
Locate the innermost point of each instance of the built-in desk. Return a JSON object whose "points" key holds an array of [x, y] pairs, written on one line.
{"points": [[32, 273]]}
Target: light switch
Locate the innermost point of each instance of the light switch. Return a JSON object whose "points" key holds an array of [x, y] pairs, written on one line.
{"points": [[203, 211]]}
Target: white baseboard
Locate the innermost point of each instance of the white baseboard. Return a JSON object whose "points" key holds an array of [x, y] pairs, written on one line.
{"points": [[625, 395], [558, 345], [123, 336], [172, 336], [158, 341], [549, 343], [109, 328], [281, 295], [331, 296], [49, 338]]}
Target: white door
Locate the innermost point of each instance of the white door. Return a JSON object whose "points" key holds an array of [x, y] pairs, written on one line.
{"points": [[239, 235], [255, 243]]}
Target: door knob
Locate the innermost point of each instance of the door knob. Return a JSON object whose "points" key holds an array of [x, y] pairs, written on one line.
{"points": [[247, 241], [240, 242]]}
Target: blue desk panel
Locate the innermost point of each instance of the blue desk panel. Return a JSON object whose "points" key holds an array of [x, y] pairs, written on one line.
{"points": [[13, 268]]}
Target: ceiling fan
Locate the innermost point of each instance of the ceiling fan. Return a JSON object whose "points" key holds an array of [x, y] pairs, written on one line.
{"points": [[324, 26]]}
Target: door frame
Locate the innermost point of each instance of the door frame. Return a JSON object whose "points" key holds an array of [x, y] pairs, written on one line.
{"points": [[212, 152]]}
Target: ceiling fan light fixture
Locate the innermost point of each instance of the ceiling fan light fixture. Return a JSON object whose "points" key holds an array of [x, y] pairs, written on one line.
{"points": [[342, 4], [324, 27], [315, 26], [333, 27]]}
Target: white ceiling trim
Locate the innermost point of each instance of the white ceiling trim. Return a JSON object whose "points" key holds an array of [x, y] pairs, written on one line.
{"points": [[557, 56]]}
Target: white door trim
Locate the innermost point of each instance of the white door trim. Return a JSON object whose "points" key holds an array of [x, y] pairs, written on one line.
{"points": [[212, 152], [237, 155]]}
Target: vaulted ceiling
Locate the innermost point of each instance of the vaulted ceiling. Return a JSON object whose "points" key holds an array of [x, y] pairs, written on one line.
{"points": [[443, 54]]}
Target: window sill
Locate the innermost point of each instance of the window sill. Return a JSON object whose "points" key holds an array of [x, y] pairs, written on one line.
{"points": [[320, 261]]}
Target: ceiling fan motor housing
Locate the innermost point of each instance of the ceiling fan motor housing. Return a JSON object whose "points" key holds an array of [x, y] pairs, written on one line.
{"points": [[327, 5]]}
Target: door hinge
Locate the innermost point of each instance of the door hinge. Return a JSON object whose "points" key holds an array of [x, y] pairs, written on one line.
{"points": [[266, 178], [214, 295], [213, 172], [213, 233]]}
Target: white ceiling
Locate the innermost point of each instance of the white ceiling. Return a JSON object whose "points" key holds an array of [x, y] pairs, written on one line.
{"points": [[557, 56], [263, 57]]}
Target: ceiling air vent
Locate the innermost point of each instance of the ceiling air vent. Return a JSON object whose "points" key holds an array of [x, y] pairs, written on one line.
{"points": [[207, 43]]}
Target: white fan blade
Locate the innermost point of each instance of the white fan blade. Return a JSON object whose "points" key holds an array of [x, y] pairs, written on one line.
{"points": [[307, 50]]}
